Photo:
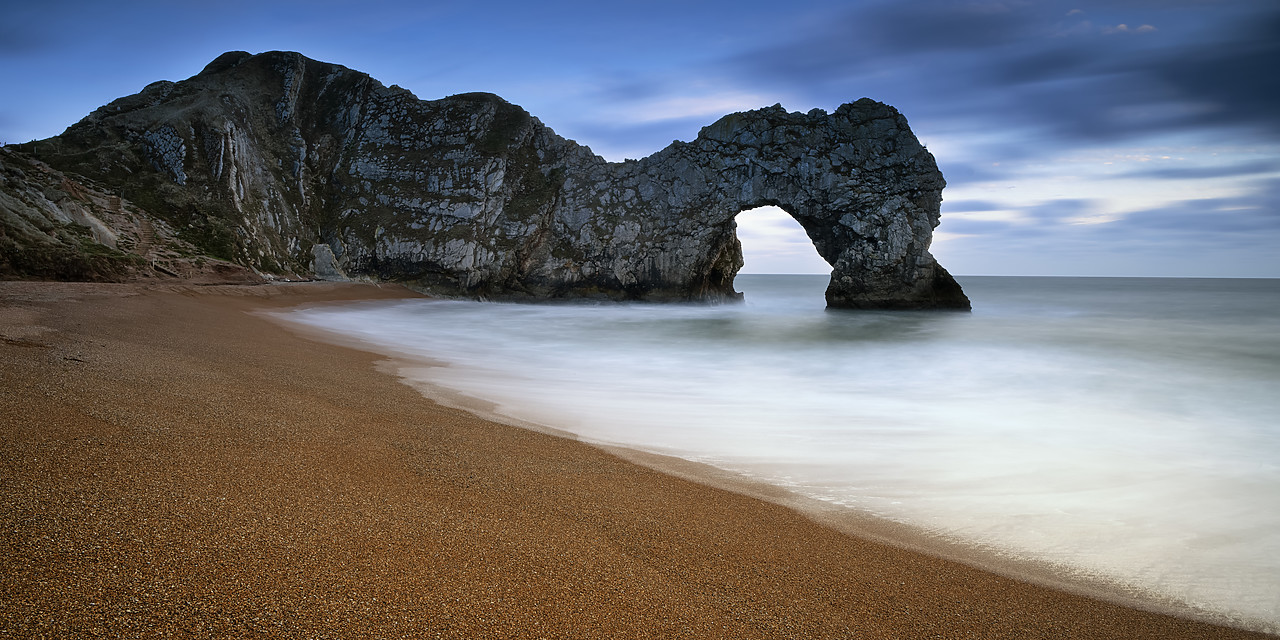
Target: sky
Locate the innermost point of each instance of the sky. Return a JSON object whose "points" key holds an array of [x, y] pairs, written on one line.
{"points": [[1090, 137]]}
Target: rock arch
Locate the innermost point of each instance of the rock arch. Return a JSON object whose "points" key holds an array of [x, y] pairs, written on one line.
{"points": [[859, 183], [293, 166]]}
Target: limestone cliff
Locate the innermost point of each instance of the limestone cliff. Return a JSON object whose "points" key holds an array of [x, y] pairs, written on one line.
{"points": [[59, 227], [296, 167]]}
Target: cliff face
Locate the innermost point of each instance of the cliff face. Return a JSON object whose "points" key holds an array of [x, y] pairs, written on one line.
{"points": [[55, 226], [292, 166]]}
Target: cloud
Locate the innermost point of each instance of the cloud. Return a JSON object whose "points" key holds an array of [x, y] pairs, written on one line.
{"points": [[1198, 173], [637, 116], [1254, 214], [971, 206], [940, 26], [681, 107], [958, 172], [1234, 78], [1218, 237], [1059, 210], [1207, 221], [1032, 64], [616, 141], [1124, 28], [971, 227], [628, 87]]}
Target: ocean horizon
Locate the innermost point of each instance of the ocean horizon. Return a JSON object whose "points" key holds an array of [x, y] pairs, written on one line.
{"points": [[1116, 429]]}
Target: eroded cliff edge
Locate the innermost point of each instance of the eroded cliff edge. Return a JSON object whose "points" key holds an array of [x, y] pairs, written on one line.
{"points": [[291, 166]]}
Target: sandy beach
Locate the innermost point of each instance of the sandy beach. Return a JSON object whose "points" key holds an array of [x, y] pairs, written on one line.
{"points": [[177, 465]]}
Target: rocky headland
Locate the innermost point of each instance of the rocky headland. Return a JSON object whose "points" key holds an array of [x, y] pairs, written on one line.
{"points": [[276, 165]]}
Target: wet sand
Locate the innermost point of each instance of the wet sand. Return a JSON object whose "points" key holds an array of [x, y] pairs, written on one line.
{"points": [[174, 464]]}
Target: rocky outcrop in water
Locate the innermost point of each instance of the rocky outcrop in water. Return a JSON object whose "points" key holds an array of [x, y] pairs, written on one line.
{"points": [[296, 167]]}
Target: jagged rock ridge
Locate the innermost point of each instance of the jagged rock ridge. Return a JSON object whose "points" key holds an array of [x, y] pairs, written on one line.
{"points": [[293, 166]]}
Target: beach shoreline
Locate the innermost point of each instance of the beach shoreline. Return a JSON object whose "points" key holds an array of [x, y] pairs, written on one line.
{"points": [[177, 463], [848, 520]]}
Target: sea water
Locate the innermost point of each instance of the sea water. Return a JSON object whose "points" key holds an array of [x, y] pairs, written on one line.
{"points": [[1126, 429]]}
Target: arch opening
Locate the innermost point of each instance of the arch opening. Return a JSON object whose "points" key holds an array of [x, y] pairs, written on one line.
{"points": [[773, 242]]}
